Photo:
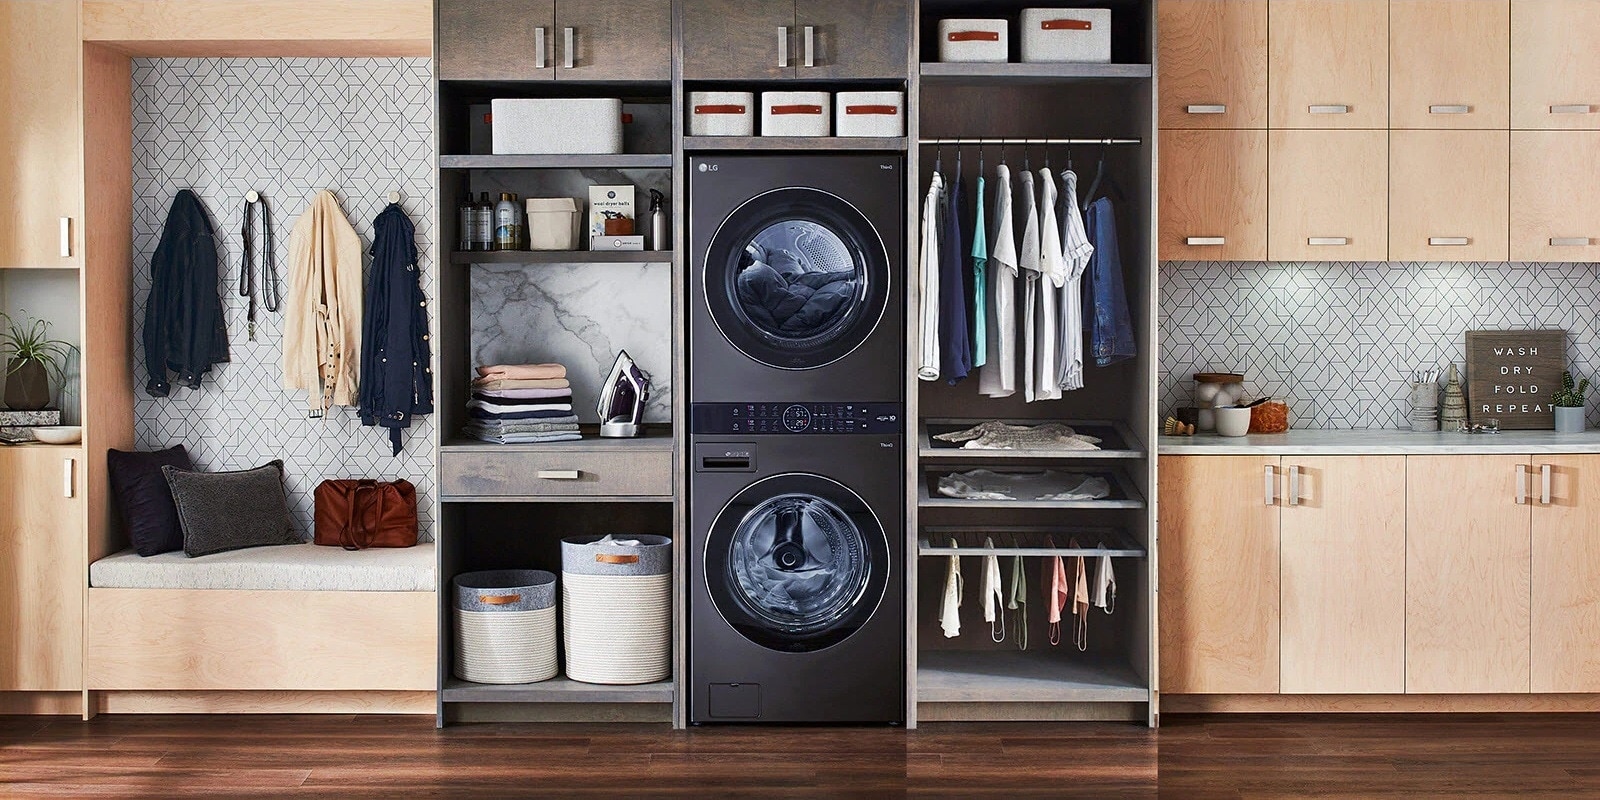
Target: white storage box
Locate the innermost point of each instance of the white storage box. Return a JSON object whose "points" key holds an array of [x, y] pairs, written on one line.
{"points": [[1081, 35], [870, 114], [552, 223], [722, 114], [577, 126], [796, 113], [975, 40]]}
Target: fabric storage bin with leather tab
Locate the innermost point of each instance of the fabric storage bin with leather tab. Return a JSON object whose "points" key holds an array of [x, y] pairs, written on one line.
{"points": [[1079, 35], [505, 626], [358, 514], [796, 113], [974, 41], [722, 114], [879, 114], [616, 608], [563, 126]]}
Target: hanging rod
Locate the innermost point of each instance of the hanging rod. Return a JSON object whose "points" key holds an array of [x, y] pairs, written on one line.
{"points": [[1027, 142]]}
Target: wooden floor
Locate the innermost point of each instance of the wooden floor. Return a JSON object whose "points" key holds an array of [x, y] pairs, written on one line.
{"points": [[1194, 757]]}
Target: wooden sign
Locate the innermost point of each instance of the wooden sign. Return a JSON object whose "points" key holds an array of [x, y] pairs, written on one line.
{"points": [[1511, 376]]}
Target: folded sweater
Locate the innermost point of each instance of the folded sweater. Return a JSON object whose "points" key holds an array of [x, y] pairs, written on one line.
{"points": [[532, 438], [524, 397], [506, 408], [543, 425], [502, 384], [480, 414], [532, 372]]}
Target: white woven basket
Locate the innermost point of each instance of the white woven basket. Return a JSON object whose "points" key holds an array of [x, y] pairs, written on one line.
{"points": [[618, 628], [506, 646]]}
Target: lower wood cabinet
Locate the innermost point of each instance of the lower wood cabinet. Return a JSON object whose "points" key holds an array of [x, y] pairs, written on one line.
{"points": [[1565, 615], [42, 569]]}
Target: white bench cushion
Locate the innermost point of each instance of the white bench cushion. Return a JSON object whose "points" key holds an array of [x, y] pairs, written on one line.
{"points": [[293, 567]]}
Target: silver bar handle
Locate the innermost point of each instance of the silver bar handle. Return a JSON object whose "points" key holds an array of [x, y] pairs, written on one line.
{"points": [[570, 42], [66, 237], [1271, 485], [783, 46], [1522, 484], [1329, 109], [1449, 241], [1570, 241], [558, 474], [810, 46], [1449, 109], [1545, 480], [538, 47], [68, 485], [1294, 485], [1205, 241], [1328, 241], [1575, 108], [1206, 108]]}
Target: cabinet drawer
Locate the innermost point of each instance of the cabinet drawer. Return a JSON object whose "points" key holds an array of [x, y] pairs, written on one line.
{"points": [[1213, 63], [1213, 196], [1447, 195], [555, 473]]}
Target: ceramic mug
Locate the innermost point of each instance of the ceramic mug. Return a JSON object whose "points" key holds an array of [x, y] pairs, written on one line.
{"points": [[1233, 422]]}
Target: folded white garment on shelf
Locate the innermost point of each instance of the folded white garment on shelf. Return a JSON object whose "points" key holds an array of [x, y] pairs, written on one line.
{"points": [[983, 484], [997, 435], [496, 408]]}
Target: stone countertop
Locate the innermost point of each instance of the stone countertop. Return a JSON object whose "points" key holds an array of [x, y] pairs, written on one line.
{"points": [[1380, 442]]}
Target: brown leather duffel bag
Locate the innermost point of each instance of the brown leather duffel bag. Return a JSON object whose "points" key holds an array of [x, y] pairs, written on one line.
{"points": [[358, 514]]}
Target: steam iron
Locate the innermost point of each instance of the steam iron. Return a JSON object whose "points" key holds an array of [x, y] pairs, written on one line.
{"points": [[623, 398]]}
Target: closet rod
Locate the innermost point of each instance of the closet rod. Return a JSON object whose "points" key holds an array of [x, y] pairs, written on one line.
{"points": [[1027, 142]]}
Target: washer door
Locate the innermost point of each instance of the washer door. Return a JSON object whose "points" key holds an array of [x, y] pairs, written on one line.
{"points": [[796, 562], [796, 278]]}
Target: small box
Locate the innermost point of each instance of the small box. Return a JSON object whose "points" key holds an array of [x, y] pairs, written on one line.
{"points": [[617, 243], [870, 114], [608, 202], [1078, 35], [722, 114], [564, 126], [796, 113], [974, 41], [552, 223]]}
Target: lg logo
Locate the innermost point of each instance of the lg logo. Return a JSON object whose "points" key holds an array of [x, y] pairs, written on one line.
{"points": [[708, 167]]}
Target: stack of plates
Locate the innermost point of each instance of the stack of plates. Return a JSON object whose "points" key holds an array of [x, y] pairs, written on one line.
{"points": [[506, 646], [618, 627]]}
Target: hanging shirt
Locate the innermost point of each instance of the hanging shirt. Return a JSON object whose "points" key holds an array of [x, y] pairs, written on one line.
{"points": [[1076, 251], [1111, 327], [999, 376], [1028, 264], [993, 597], [980, 294], [1018, 604], [1080, 603], [1056, 598], [928, 278], [955, 348], [950, 604], [1053, 272], [1104, 594]]}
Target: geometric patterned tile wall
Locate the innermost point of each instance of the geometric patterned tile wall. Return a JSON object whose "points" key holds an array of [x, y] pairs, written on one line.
{"points": [[1339, 340], [285, 127]]}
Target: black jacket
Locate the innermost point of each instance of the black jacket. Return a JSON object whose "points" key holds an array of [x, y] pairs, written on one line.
{"points": [[184, 330], [396, 365]]}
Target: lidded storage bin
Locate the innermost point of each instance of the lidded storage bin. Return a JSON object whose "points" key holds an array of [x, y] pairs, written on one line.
{"points": [[552, 223], [974, 41], [722, 114], [616, 603], [796, 113], [505, 626], [561, 126], [1081, 35], [870, 114]]}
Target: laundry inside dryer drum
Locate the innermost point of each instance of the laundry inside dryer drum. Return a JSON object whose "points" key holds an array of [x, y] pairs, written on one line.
{"points": [[799, 564], [799, 283]]}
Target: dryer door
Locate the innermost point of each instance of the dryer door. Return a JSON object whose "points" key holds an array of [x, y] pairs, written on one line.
{"points": [[796, 278], [796, 562]]}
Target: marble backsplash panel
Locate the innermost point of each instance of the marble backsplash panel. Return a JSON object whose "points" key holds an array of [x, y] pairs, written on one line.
{"points": [[1338, 341]]}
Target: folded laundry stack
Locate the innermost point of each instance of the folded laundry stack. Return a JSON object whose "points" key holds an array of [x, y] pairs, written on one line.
{"points": [[522, 404]]}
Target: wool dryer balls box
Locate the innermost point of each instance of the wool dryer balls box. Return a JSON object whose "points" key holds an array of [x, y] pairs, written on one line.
{"points": [[610, 212], [796, 113], [722, 114], [1076, 35], [565, 126], [974, 41], [880, 114]]}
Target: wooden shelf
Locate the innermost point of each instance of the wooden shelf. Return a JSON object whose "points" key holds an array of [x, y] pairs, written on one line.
{"points": [[1117, 442], [559, 689], [1123, 493], [564, 257], [791, 143], [937, 72], [620, 161], [1042, 675]]}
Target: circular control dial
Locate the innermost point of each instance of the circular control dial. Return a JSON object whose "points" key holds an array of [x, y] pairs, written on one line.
{"points": [[796, 418]]}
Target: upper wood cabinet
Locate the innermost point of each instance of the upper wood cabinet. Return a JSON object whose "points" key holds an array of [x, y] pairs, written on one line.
{"points": [[1329, 62], [42, 559], [1555, 206], [1448, 195], [1327, 196], [1213, 195], [41, 175], [1566, 574], [1213, 61], [807, 39], [1555, 65], [1449, 64], [611, 40]]}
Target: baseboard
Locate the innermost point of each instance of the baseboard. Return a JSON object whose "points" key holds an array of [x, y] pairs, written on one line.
{"points": [[559, 712], [43, 703], [261, 702], [1377, 703], [1031, 712]]}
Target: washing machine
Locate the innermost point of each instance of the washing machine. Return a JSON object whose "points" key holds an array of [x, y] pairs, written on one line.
{"points": [[797, 278], [796, 563]]}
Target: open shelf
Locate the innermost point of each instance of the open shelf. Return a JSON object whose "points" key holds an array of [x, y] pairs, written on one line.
{"points": [[614, 161], [1117, 441], [938, 72], [1123, 494], [563, 257], [1026, 541], [703, 143], [1028, 676], [559, 689]]}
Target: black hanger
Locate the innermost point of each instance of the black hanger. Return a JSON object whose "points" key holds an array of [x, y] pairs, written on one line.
{"points": [[1100, 175]]}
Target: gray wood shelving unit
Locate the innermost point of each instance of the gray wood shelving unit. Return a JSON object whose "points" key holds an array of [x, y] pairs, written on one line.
{"points": [[564, 257], [618, 161], [792, 143]]}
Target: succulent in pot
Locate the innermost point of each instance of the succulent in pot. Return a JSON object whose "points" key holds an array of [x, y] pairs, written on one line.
{"points": [[1569, 404], [32, 361]]}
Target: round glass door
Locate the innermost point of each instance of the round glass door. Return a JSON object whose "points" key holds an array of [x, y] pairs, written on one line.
{"points": [[796, 562], [796, 278]]}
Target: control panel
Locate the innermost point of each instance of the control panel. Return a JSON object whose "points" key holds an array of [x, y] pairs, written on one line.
{"points": [[797, 418]]}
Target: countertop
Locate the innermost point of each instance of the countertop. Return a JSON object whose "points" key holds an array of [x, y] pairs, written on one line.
{"points": [[1381, 442]]}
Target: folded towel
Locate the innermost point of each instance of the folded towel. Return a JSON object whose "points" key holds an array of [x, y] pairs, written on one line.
{"points": [[568, 422], [497, 385], [499, 408], [532, 438], [522, 372], [478, 413], [514, 397]]}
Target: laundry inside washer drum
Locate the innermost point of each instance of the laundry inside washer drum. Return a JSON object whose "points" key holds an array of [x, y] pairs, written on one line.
{"points": [[798, 281], [798, 563]]}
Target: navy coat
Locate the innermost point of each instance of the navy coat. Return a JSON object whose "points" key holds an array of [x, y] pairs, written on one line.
{"points": [[396, 364]]}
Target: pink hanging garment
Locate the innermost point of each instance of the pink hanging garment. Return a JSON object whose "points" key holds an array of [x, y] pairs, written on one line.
{"points": [[1056, 599], [1080, 602]]}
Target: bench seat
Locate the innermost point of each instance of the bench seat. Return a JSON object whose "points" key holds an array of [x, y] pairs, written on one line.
{"points": [[294, 567]]}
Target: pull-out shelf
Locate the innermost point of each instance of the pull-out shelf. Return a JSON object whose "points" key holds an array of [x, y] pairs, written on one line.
{"points": [[1116, 441], [1123, 493]]}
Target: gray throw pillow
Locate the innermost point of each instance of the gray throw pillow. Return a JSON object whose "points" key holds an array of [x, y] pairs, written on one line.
{"points": [[222, 511]]}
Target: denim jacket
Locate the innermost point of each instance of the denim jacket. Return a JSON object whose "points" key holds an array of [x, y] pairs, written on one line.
{"points": [[1108, 323]]}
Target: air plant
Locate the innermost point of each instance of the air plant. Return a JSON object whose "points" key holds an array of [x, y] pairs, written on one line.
{"points": [[32, 342]]}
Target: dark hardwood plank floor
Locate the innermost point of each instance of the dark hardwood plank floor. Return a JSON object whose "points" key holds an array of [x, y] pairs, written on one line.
{"points": [[1555, 756]]}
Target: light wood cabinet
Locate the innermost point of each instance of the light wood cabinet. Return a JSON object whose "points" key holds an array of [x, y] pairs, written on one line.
{"points": [[1449, 64], [1219, 575], [1555, 205], [1468, 552], [41, 175], [1327, 196], [1448, 195], [1555, 66], [807, 39], [1213, 195], [1565, 636], [1329, 64], [42, 569], [613, 40], [1213, 62], [1343, 559]]}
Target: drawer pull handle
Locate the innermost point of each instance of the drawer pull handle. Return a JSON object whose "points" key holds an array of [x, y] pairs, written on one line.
{"points": [[499, 599], [1522, 484], [1066, 25], [538, 47], [1449, 109], [973, 36], [1578, 108], [1330, 109], [66, 237], [1205, 241], [67, 483], [1544, 491], [1570, 241], [1271, 486], [571, 47], [1328, 241], [809, 49], [615, 558], [1207, 109], [1449, 241], [786, 110], [723, 109], [559, 474], [783, 47], [1294, 486]]}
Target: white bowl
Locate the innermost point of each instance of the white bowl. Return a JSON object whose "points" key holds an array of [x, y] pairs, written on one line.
{"points": [[1233, 422], [59, 434]]}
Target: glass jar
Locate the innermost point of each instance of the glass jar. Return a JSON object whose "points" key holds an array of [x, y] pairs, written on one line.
{"points": [[1216, 390]]}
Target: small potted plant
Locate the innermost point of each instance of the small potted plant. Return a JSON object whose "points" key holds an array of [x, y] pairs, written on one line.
{"points": [[1569, 404], [34, 361]]}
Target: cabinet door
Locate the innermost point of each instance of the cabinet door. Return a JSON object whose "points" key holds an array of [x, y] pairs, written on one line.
{"points": [[614, 40], [1555, 206], [1449, 64], [738, 39], [1214, 195], [853, 38], [41, 559], [1327, 196], [1566, 575], [1213, 57], [1344, 575], [41, 175], [1329, 64], [1555, 66], [1467, 574], [1219, 575], [496, 40], [1448, 195]]}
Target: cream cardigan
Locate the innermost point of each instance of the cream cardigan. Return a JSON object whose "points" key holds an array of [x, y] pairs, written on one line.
{"points": [[322, 312]]}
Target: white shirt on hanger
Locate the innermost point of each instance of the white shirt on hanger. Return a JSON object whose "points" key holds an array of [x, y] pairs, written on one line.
{"points": [[1031, 270], [998, 377], [1076, 252], [1046, 385], [928, 278]]}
